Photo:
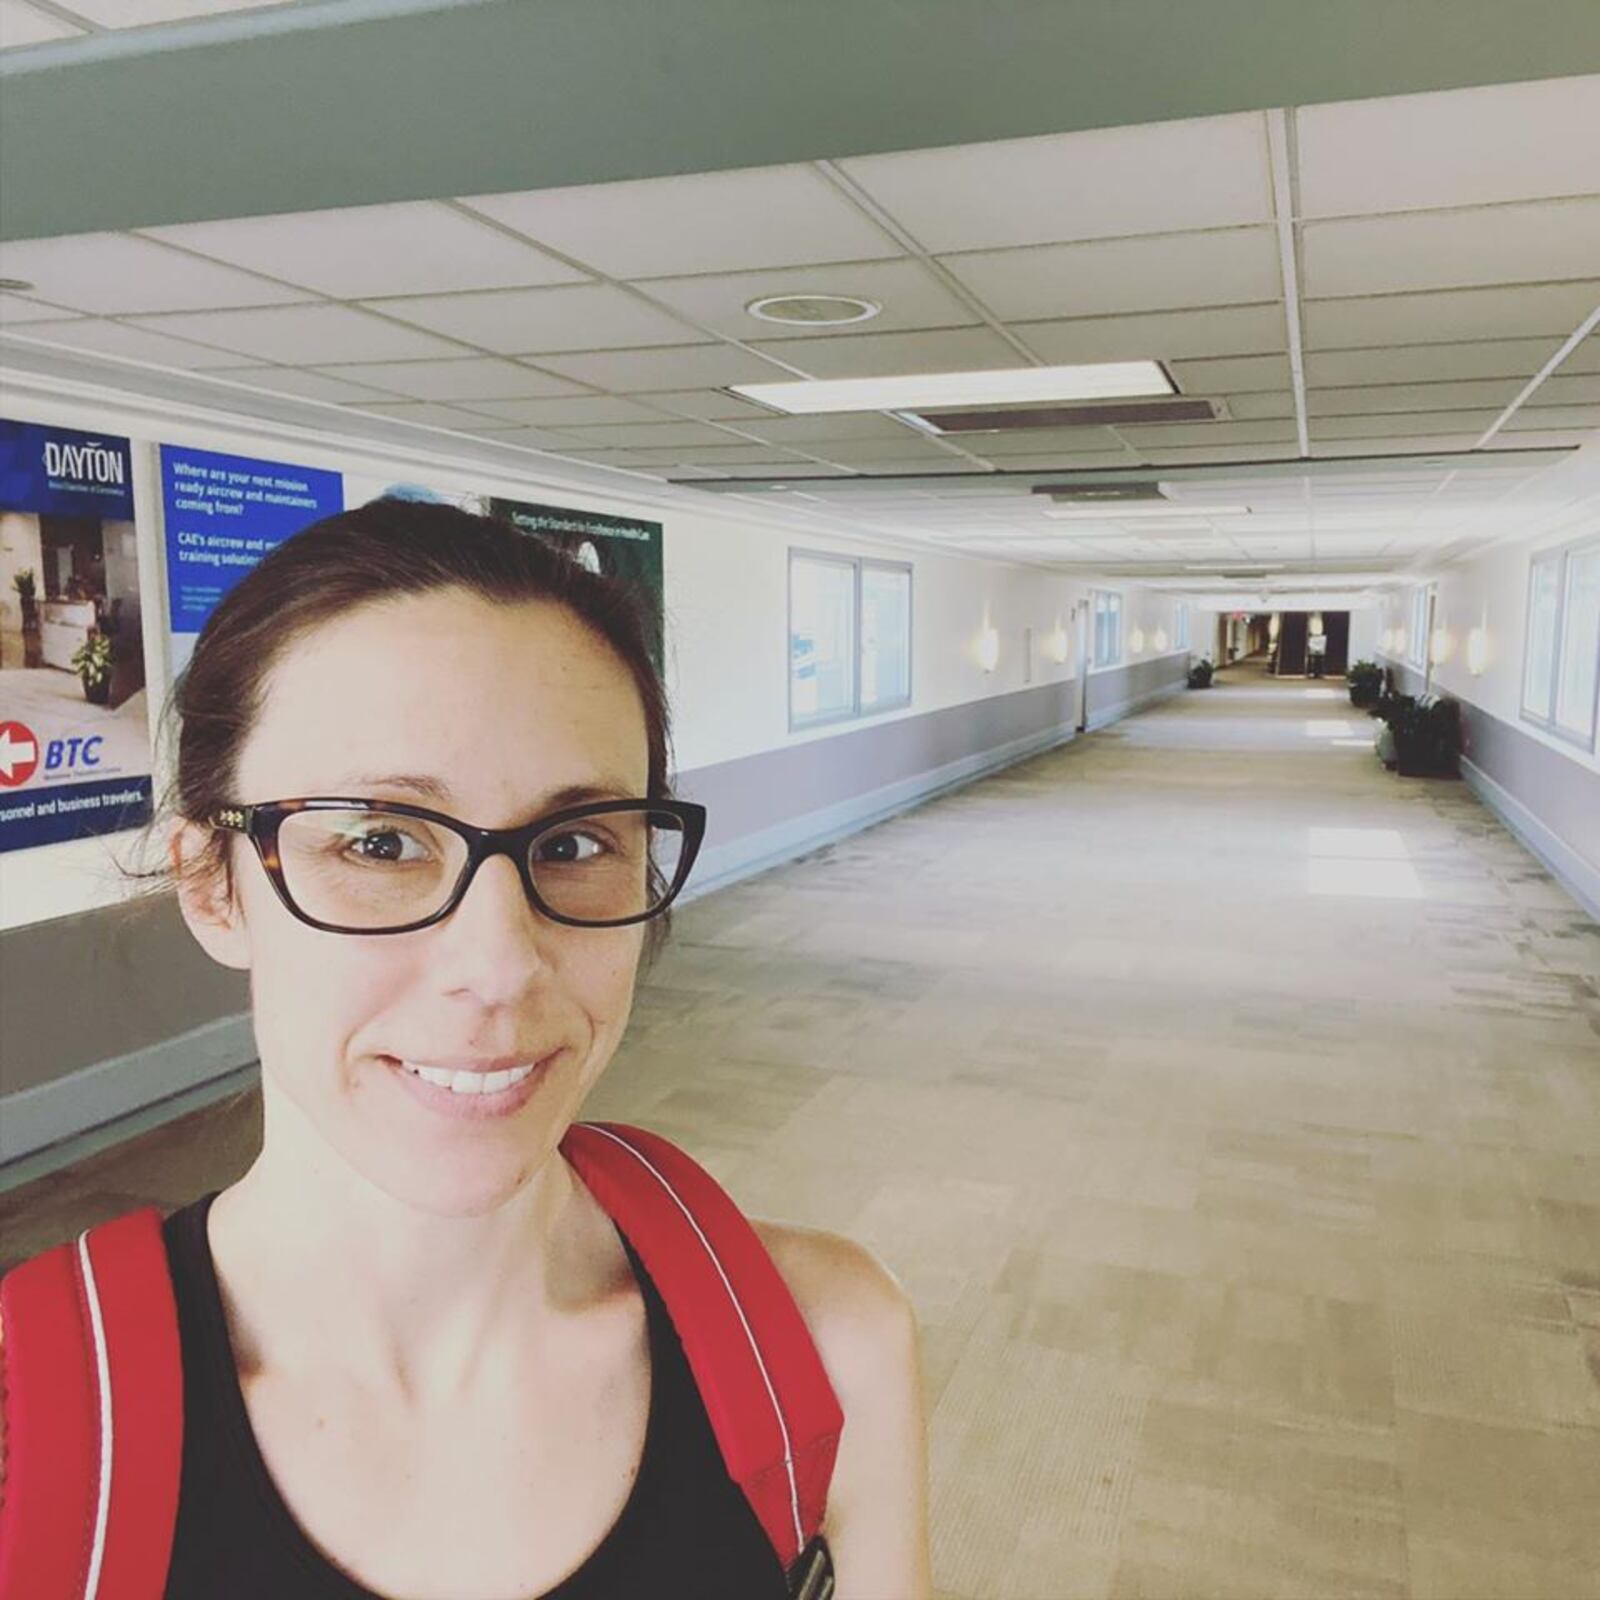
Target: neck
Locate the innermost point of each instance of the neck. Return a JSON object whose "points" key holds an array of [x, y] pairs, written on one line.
{"points": [[324, 1271]]}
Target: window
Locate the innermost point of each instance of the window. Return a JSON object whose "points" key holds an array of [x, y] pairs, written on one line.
{"points": [[1561, 665], [1107, 628], [1180, 627], [1421, 626], [849, 637]]}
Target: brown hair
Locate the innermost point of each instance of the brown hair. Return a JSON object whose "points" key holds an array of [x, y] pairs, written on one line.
{"points": [[381, 551]]}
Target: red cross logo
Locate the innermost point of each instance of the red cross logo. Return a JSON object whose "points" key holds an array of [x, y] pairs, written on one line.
{"points": [[19, 754]]}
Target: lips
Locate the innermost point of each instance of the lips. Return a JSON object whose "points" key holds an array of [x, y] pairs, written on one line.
{"points": [[473, 1087]]}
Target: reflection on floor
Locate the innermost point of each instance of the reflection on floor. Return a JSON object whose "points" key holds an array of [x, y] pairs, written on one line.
{"points": [[1230, 1108]]}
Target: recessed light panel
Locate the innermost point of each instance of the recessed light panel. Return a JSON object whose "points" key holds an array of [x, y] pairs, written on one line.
{"points": [[1007, 386], [1141, 509]]}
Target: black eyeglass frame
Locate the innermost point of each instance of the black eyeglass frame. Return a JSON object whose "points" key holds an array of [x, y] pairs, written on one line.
{"points": [[260, 824]]}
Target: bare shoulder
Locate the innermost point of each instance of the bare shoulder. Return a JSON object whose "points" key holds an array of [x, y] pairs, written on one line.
{"points": [[856, 1309], [866, 1333]]}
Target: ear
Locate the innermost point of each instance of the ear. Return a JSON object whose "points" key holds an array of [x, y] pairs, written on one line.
{"points": [[207, 900]]}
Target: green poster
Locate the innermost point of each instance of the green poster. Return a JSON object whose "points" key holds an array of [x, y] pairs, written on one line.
{"points": [[620, 547]]}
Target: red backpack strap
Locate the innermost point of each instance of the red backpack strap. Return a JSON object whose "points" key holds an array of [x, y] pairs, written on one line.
{"points": [[775, 1414], [91, 1404]]}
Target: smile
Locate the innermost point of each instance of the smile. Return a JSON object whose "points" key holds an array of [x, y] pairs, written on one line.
{"points": [[470, 1082]]}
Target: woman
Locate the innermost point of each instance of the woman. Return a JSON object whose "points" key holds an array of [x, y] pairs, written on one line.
{"points": [[419, 1360]]}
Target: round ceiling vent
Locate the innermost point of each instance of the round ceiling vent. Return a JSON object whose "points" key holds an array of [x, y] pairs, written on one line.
{"points": [[813, 310]]}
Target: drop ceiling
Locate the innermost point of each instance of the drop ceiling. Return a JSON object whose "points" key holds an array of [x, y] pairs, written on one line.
{"points": [[1368, 289]]}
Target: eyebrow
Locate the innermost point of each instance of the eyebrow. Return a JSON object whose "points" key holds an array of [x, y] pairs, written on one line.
{"points": [[438, 791]]}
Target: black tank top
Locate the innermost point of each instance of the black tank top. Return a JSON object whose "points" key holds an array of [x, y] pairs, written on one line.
{"points": [[686, 1528]]}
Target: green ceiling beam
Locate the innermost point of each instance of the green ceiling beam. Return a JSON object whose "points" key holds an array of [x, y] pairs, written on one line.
{"points": [[522, 94]]}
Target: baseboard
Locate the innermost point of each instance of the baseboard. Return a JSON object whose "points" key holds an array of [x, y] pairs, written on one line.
{"points": [[1104, 717], [1580, 878], [32, 1119], [771, 847]]}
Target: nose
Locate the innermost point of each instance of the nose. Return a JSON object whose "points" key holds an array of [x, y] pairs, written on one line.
{"points": [[495, 944]]}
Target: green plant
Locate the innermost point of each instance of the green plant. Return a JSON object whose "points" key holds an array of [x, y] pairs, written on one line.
{"points": [[22, 582], [1427, 737], [1200, 674], [92, 660], [1364, 679]]}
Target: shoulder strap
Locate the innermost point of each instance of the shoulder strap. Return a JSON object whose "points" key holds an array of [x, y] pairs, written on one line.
{"points": [[91, 1408], [776, 1416]]}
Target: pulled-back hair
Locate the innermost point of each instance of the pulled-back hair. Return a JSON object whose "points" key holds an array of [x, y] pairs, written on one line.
{"points": [[381, 551]]}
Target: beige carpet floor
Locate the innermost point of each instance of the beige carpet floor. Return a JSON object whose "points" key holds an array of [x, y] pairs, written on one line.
{"points": [[1231, 1110]]}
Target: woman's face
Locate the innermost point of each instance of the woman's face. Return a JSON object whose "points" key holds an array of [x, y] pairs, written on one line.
{"points": [[497, 710]]}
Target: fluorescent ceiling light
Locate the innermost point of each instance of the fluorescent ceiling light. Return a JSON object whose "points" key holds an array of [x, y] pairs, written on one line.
{"points": [[1098, 381], [1112, 511]]}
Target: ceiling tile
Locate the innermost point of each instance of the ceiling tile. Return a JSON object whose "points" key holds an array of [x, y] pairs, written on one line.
{"points": [[427, 414], [1359, 401], [701, 222], [538, 439], [1533, 417], [1037, 441], [474, 378], [298, 381], [906, 466], [1449, 315], [1248, 407], [142, 13], [129, 343], [21, 24], [721, 455], [649, 435], [1460, 147], [1243, 373], [864, 355], [1160, 335], [367, 251], [1433, 444], [911, 297], [1191, 455], [1490, 358], [1159, 273], [1452, 249], [1564, 388], [1210, 172], [594, 316], [115, 274], [15, 310], [1565, 439], [297, 334], [576, 411], [709, 405], [1219, 433], [1086, 461], [1406, 423], [856, 452]]}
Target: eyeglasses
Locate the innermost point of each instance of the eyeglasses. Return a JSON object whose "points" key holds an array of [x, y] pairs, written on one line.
{"points": [[380, 866]]}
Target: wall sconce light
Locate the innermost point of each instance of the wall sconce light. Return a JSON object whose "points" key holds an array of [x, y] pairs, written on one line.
{"points": [[1439, 646], [1399, 641], [1056, 645], [1272, 626], [1136, 641], [1161, 641], [1477, 651], [1316, 622], [989, 648]]}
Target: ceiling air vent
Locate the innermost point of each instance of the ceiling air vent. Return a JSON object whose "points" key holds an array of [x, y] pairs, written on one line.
{"points": [[1095, 414], [1100, 493]]}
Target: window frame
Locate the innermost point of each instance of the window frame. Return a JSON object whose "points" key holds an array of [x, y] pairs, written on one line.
{"points": [[1180, 627], [1560, 557], [1419, 636], [855, 712], [1116, 659]]}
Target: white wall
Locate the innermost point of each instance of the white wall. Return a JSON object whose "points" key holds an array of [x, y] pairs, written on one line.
{"points": [[1491, 593], [726, 583]]}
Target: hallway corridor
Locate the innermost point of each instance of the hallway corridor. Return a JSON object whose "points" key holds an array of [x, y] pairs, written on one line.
{"points": [[1230, 1108]]}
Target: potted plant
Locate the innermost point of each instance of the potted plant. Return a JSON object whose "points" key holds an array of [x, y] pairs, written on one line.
{"points": [[32, 646], [92, 662], [1427, 738], [1200, 673], [1364, 679]]}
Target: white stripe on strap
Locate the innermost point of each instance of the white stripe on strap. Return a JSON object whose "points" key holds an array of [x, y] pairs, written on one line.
{"points": [[755, 1349], [102, 1516]]}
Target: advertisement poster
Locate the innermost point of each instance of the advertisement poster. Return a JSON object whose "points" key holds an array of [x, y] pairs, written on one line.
{"points": [[620, 547], [74, 726], [223, 514]]}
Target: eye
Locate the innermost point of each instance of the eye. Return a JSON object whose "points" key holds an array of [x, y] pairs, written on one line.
{"points": [[385, 843], [569, 848]]}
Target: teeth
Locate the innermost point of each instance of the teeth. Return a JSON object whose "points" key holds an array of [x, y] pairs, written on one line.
{"points": [[469, 1082]]}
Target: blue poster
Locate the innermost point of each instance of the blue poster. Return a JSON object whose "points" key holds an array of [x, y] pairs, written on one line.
{"points": [[223, 514], [74, 722]]}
